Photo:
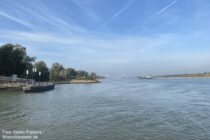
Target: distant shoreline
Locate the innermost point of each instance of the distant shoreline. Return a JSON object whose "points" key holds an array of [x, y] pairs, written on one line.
{"points": [[181, 77], [197, 75]]}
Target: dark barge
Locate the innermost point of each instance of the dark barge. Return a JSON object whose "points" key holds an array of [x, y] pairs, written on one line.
{"points": [[39, 87]]}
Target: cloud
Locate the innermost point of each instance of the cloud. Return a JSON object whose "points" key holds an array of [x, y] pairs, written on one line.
{"points": [[39, 37], [117, 14], [161, 11], [116, 53], [92, 44]]}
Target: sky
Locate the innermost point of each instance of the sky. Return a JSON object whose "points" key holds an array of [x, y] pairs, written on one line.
{"points": [[112, 37]]}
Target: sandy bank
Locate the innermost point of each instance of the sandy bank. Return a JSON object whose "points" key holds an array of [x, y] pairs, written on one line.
{"points": [[75, 81]]}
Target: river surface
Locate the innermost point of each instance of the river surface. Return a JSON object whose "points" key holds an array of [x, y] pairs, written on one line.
{"points": [[115, 109]]}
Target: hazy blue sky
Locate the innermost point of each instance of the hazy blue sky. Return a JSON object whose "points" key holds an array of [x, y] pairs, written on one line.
{"points": [[134, 37]]}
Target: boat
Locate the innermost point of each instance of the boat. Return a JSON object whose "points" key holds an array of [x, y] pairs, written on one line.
{"points": [[39, 87], [149, 77], [3, 88]]}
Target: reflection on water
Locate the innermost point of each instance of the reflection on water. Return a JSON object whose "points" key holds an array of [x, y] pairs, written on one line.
{"points": [[175, 109]]}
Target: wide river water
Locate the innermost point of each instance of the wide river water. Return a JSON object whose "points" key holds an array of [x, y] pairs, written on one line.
{"points": [[115, 109]]}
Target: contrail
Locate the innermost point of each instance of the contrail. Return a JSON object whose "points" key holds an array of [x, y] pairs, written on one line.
{"points": [[15, 19], [117, 14], [162, 10], [165, 8]]}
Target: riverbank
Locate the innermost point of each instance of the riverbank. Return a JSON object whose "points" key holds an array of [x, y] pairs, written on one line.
{"points": [[12, 86], [76, 81], [17, 86]]}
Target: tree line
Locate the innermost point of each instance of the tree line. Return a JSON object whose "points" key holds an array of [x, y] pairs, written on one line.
{"points": [[15, 61]]}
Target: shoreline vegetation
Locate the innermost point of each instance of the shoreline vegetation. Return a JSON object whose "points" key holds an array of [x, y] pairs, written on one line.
{"points": [[18, 69]]}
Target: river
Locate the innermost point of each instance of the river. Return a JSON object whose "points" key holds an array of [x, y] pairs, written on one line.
{"points": [[115, 109]]}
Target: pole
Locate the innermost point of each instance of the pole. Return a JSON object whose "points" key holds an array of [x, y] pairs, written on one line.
{"points": [[39, 76], [35, 75], [27, 75]]}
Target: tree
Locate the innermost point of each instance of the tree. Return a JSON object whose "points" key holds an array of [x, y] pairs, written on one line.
{"points": [[42, 67], [13, 60], [29, 66], [82, 74], [62, 75], [55, 72], [92, 75], [70, 73]]}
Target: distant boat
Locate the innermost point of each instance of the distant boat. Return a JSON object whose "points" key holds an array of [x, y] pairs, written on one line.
{"points": [[147, 77], [39, 87]]}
